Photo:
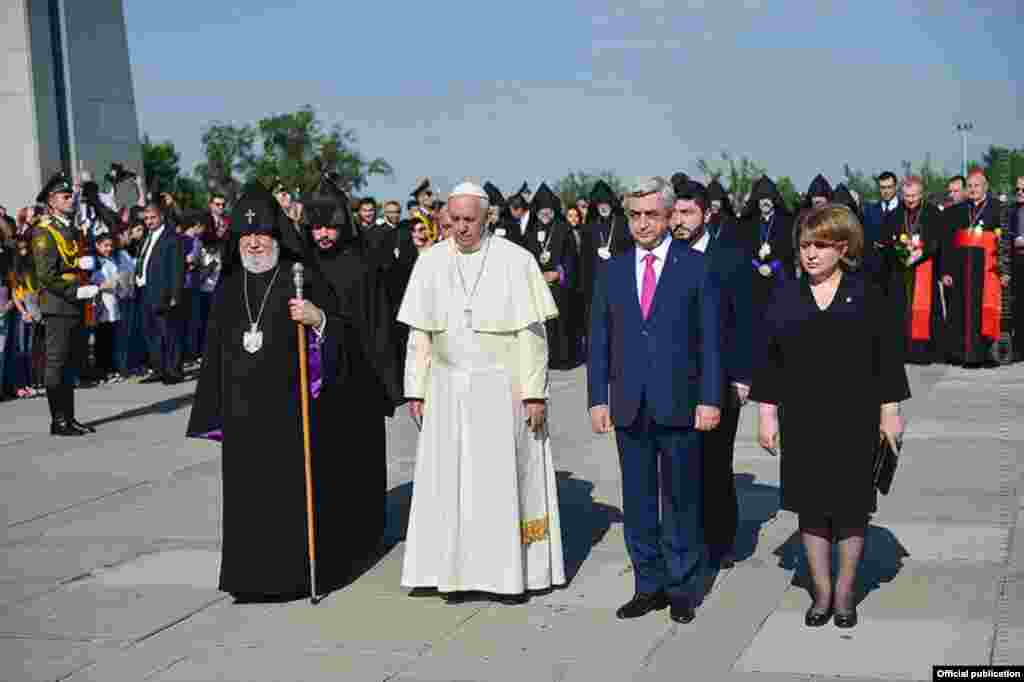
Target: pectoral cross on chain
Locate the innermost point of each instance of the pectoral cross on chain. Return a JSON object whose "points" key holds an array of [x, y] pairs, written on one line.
{"points": [[250, 214]]}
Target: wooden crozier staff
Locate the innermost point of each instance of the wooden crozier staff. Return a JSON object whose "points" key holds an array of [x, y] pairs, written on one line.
{"points": [[297, 278]]}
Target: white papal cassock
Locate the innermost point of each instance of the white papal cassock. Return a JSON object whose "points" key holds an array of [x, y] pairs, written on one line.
{"points": [[485, 504]]}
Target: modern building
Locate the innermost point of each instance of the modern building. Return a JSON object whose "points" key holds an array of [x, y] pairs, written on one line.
{"points": [[66, 96]]}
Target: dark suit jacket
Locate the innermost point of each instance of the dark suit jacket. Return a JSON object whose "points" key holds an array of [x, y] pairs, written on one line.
{"points": [[165, 272], [874, 222], [734, 278], [672, 361]]}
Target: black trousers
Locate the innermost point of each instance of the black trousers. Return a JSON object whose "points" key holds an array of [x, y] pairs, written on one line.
{"points": [[721, 508], [162, 330], [63, 347], [104, 348]]}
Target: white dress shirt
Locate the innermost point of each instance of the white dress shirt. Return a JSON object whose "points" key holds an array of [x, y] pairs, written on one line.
{"points": [[661, 253], [890, 206], [702, 243], [140, 281]]}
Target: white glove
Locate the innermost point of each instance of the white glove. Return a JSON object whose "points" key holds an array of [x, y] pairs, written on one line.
{"points": [[87, 292], [86, 263]]}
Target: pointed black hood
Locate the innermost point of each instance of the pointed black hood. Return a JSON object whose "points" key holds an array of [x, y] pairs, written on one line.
{"points": [[819, 187], [602, 193], [717, 192], [842, 195], [545, 198], [494, 195], [763, 188], [328, 204]]}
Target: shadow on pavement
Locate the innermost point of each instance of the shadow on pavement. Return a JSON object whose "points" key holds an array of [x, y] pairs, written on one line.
{"points": [[759, 503], [584, 521], [160, 407], [881, 563]]}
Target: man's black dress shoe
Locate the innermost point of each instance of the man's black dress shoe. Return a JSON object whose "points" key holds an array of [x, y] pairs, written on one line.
{"points": [[846, 619], [641, 604], [61, 427], [172, 379], [815, 618], [84, 428], [682, 611]]}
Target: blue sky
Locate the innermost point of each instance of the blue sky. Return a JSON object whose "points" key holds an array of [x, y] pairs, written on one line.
{"points": [[535, 89]]}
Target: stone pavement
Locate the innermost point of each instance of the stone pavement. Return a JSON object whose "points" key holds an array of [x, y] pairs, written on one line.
{"points": [[110, 563]]}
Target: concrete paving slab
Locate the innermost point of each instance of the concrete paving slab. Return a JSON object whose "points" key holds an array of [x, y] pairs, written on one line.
{"points": [[42, 660], [538, 643], [87, 611], [725, 625], [19, 591], [945, 541], [956, 506], [277, 665], [902, 649], [49, 560], [193, 567], [944, 462], [918, 592], [354, 619]]}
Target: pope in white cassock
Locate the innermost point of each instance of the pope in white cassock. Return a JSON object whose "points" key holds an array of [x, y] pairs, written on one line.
{"points": [[484, 511]]}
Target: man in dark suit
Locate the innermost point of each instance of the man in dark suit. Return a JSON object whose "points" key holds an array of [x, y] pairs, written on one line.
{"points": [[159, 281], [655, 377], [877, 212], [1016, 238], [727, 266]]}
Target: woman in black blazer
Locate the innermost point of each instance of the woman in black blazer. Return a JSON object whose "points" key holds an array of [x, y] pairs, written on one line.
{"points": [[831, 323]]}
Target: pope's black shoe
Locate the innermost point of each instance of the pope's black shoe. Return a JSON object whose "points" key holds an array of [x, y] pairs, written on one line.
{"points": [[641, 604], [682, 610]]}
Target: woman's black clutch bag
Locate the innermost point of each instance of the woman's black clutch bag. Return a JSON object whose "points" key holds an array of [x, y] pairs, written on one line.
{"points": [[885, 466]]}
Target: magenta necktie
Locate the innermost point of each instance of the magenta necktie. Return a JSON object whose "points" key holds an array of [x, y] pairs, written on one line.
{"points": [[649, 285]]}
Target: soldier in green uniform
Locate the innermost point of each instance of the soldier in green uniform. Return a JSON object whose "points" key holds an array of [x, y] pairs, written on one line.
{"points": [[62, 299]]}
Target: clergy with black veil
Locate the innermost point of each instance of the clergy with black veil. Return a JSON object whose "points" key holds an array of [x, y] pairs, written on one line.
{"points": [[484, 513], [248, 398], [549, 238], [350, 414]]}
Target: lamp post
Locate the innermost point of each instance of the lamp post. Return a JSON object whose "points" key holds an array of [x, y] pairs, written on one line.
{"points": [[963, 128]]}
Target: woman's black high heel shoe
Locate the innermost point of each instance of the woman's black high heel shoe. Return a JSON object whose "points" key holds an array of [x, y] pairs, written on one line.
{"points": [[846, 619], [815, 618]]}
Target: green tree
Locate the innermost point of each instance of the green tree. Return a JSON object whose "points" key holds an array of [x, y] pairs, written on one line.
{"points": [[790, 195], [738, 175], [1003, 166], [228, 150], [296, 149], [579, 183], [858, 182], [160, 165]]}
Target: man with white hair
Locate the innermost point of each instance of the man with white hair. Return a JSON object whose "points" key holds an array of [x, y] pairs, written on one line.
{"points": [[484, 511], [248, 397]]}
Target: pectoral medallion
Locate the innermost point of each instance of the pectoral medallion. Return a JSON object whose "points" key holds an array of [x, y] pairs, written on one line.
{"points": [[252, 340], [604, 252], [545, 257], [765, 270]]}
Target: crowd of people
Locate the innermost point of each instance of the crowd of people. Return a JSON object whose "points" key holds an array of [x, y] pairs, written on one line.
{"points": [[912, 250], [682, 305]]}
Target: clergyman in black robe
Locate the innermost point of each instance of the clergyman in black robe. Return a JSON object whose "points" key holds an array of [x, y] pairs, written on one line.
{"points": [[350, 414], [549, 238], [766, 231], [605, 234], [248, 397]]}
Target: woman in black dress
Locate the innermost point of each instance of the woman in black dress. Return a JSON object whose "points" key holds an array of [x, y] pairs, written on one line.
{"points": [[832, 323]]}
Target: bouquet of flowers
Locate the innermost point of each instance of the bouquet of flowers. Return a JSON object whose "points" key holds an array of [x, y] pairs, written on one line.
{"points": [[899, 252]]}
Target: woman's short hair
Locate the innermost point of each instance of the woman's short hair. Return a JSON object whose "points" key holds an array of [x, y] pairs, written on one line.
{"points": [[835, 222]]}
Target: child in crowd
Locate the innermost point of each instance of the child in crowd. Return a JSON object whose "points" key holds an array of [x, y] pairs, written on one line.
{"points": [[25, 375]]}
